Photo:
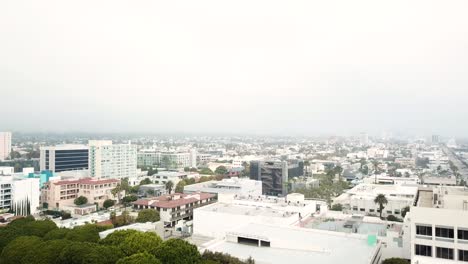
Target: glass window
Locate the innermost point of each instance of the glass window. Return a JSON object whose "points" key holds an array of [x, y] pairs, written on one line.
{"points": [[444, 253], [444, 232], [423, 250], [462, 234], [423, 230], [463, 255]]}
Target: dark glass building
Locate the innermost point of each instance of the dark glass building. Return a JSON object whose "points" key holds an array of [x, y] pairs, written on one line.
{"points": [[274, 175], [64, 158]]}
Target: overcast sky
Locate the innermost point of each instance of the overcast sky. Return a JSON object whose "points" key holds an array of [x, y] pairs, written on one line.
{"points": [[267, 67]]}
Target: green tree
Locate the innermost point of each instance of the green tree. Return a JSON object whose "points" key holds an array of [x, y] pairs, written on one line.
{"points": [[218, 257], [14, 252], [177, 251], [117, 238], [206, 171], [140, 258], [127, 200], [169, 186], [395, 261], [83, 252], [393, 218], [81, 200], [85, 233], [148, 215], [59, 233], [108, 203], [404, 211], [39, 228], [140, 242], [337, 207], [146, 181], [221, 170], [186, 169], [381, 200], [180, 186], [46, 252]]}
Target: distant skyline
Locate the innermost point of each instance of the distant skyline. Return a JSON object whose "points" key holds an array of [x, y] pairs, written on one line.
{"points": [[244, 67]]}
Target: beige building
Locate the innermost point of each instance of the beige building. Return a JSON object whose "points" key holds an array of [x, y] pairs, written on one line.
{"points": [[5, 145], [60, 194]]}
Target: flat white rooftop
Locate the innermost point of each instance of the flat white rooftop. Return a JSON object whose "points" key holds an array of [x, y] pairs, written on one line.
{"points": [[299, 246]]}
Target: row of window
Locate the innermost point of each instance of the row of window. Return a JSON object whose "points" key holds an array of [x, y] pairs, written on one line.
{"points": [[396, 212], [442, 232], [441, 252]]}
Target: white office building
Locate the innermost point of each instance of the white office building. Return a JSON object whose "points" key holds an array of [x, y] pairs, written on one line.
{"points": [[240, 186], [439, 226], [5, 145], [360, 199], [107, 160]]}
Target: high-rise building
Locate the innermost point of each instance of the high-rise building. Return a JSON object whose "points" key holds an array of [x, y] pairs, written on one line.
{"points": [[274, 175], [112, 161], [170, 160], [435, 139], [364, 139], [64, 158], [5, 145]]}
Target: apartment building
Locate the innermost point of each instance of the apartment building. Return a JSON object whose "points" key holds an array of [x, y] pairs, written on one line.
{"points": [[175, 207], [20, 195], [360, 199], [170, 160], [5, 145], [165, 176], [64, 158], [58, 194], [439, 226], [107, 160]]}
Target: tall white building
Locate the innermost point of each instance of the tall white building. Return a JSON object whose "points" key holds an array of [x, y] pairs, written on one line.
{"points": [[5, 145], [364, 139], [107, 160]]}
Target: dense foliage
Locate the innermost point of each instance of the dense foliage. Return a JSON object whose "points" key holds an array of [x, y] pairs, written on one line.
{"points": [[148, 215], [395, 261], [27, 241]]}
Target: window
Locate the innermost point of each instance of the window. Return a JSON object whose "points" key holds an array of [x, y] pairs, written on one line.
{"points": [[444, 253], [389, 212], [444, 232], [423, 250], [362, 209], [371, 210], [463, 255], [355, 208], [462, 234], [423, 230]]}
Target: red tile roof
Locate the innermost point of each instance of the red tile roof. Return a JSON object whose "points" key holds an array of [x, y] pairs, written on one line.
{"points": [[168, 201]]}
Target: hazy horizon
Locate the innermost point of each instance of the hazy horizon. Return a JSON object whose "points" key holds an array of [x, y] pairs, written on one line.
{"points": [[243, 67]]}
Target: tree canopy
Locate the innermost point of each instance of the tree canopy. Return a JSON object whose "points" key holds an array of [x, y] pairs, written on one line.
{"points": [[81, 200], [148, 215]]}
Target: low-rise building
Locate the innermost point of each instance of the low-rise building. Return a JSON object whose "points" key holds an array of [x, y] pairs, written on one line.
{"points": [[233, 210], [360, 199], [152, 190], [60, 194], [175, 207], [19, 195], [238, 186], [165, 176]]}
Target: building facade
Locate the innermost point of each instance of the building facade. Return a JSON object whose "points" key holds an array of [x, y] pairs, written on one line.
{"points": [[64, 158], [175, 207], [439, 226], [239, 186], [20, 195], [5, 145], [60, 194], [112, 161], [274, 175]]}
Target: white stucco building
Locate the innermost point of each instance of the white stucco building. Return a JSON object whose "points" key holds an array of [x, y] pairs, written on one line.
{"points": [[240, 186], [5, 145], [107, 160], [20, 194], [360, 199]]}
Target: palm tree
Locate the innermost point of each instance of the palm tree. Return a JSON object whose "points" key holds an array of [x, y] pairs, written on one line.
{"points": [[381, 200], [375, 163], [169, 186]]}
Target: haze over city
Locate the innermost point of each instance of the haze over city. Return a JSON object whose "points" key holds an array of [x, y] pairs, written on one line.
{"points": [[245, 67]]}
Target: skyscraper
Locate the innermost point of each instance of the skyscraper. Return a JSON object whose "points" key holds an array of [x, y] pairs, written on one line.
{"points": [[5, 145], [435, 139], [364, 139], [64, 158], [112, 161]]}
